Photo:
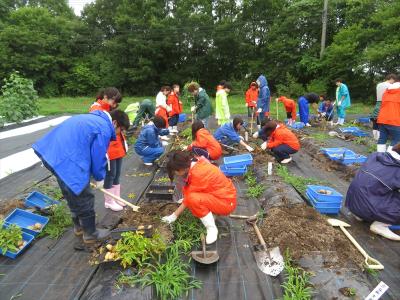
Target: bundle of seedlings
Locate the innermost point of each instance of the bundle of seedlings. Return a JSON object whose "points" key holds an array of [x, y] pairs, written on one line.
{"points": [[10, 238]]}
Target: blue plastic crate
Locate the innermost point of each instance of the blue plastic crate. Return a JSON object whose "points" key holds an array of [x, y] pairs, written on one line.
{"points": [[182, 118], [324, 208], [24, 219], [238, 161], [344, 155], [37, 199], [28, 238], [354, 131], [233, 171], [334, 197], [364, 120], [298, 125], [318, 204]]}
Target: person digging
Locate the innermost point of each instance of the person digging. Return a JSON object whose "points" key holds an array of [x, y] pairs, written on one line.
{"points": [[374, 196], [207, 190], [74, 151]]}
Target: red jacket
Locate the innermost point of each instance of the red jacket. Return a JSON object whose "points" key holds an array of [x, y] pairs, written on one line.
{"points": [[162, 112], [282, 135], [251, 97], [290, 105], [389, 113], [204, 139], [118, 148], [175, 103], [100, 105]]}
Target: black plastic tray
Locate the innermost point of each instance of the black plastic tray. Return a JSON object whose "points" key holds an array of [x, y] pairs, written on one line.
{"points": [[160, 192]]}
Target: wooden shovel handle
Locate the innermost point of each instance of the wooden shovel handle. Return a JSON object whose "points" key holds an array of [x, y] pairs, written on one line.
{"points": [[259, 236], [377, 265], [134, 207]]}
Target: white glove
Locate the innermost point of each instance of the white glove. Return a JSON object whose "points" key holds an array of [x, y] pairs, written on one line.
{"points": [[264, 145], [259, 110], [276, 99], [247, 105], [193, 109], [99, 184], [242, 138], [249, 148], [308, 125], [184, 147], [169, 219], [339, 103], [323, 114], [255, 134], [164, 143], [168, 108]]}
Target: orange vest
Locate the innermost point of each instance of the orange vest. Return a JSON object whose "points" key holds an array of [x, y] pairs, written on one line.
{"points": [[204, 139], [389, 113], [282, 135], [290, 106], [251, 97], [204, 177], [118, 148], [162, 112], [175, 104]]}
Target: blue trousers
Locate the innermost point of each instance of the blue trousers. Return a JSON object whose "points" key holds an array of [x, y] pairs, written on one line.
{"points": [[283, 151], [389, 132], [173, 121], [149, 154], [112, 176]]}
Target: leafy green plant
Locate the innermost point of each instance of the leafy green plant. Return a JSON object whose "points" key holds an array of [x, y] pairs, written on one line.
{"points": [[10, 238], [319, 136], [371, 272], [52, 191], [188, 228], [170, 279], [163, 180], [136, 248], [250, 178], [60, 220], [255, 191], [297, 285], [298, 182], [19, 99]]}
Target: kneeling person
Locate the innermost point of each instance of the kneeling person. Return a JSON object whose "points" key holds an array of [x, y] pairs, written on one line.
{"points": [[228, 134]]}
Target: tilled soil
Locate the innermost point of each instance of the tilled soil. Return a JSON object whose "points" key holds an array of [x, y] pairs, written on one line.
{"points": [[302, 230], [8, 206], [150, 214]]}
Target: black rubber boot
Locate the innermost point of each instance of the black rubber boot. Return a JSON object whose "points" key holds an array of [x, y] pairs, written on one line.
{"points": [[90, 233], [77, 226]]}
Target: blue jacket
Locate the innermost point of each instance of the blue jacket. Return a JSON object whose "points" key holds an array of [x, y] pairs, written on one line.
{"points": [[373, 194], [76, 149], [227, 131], [325, 109], [149, 137], [303, 109], [264, 95], [341, 91]]}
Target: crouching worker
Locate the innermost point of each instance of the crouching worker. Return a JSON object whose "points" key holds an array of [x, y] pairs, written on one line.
{"points": [[374, 196], [290, 108], [74, 151], [204, 144], [228, 134], [146, 110], [148, 145], [207, 190], [325, 109], [280, 140]]}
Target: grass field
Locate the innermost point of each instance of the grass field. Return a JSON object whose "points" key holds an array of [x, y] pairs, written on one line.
{"points": [[54, 106]]}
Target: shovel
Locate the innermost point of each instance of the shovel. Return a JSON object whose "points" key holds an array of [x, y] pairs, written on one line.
{"points": [[229, 147], [370, 262], [268, 261], [205, 257], [134, 207]]}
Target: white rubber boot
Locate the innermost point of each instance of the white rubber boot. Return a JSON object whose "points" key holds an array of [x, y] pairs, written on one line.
{"points": [[375, 134], [212, 230], [381, 148], [172, 129], [286, 160], [389, 148], [383, 230]]}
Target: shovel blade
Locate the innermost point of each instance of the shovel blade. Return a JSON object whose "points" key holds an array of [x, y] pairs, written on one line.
{"points": [[269, 262]]}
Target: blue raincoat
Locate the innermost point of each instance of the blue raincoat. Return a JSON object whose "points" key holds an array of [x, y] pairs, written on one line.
{"points": [[148, 145], [374, 194], [303, 109], [341, 91], [226, 134], [76, 149], [325, 109], [264, 95]]}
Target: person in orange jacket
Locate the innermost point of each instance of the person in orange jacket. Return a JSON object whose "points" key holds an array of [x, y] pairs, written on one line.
{"points": [[162, 109], [207, 191], [106, 100], [389, 118], [290, 107], [279, 139], [251, 97], [116, 151], [204, 143], [176, 108]]}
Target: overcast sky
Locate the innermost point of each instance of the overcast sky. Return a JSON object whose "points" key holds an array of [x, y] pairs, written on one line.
{"points": [[78, 5]]}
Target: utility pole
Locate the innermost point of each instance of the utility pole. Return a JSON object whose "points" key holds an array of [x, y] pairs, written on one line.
{"points": [[324, 20]]}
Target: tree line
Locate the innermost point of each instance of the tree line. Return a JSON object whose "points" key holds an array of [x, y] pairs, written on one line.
{"points": [[138, 46]]}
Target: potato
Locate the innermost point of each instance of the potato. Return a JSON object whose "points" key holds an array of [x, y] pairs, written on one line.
{"points": [[112, 255], [108, 256], [20, 243], [37, 226], [109, 247]]}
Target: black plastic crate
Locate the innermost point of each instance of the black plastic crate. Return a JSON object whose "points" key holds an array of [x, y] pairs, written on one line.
{"points": [[160, 192]]}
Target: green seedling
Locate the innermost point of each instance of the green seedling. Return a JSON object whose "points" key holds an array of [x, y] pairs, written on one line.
{"points": [[134, 248], [255, 191], [10, 238], [60, 220], [131, 140], [297, 284], [371, 272], [131, 195], [319, 136], [138, 174], [188, 228], [163, 180]]}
